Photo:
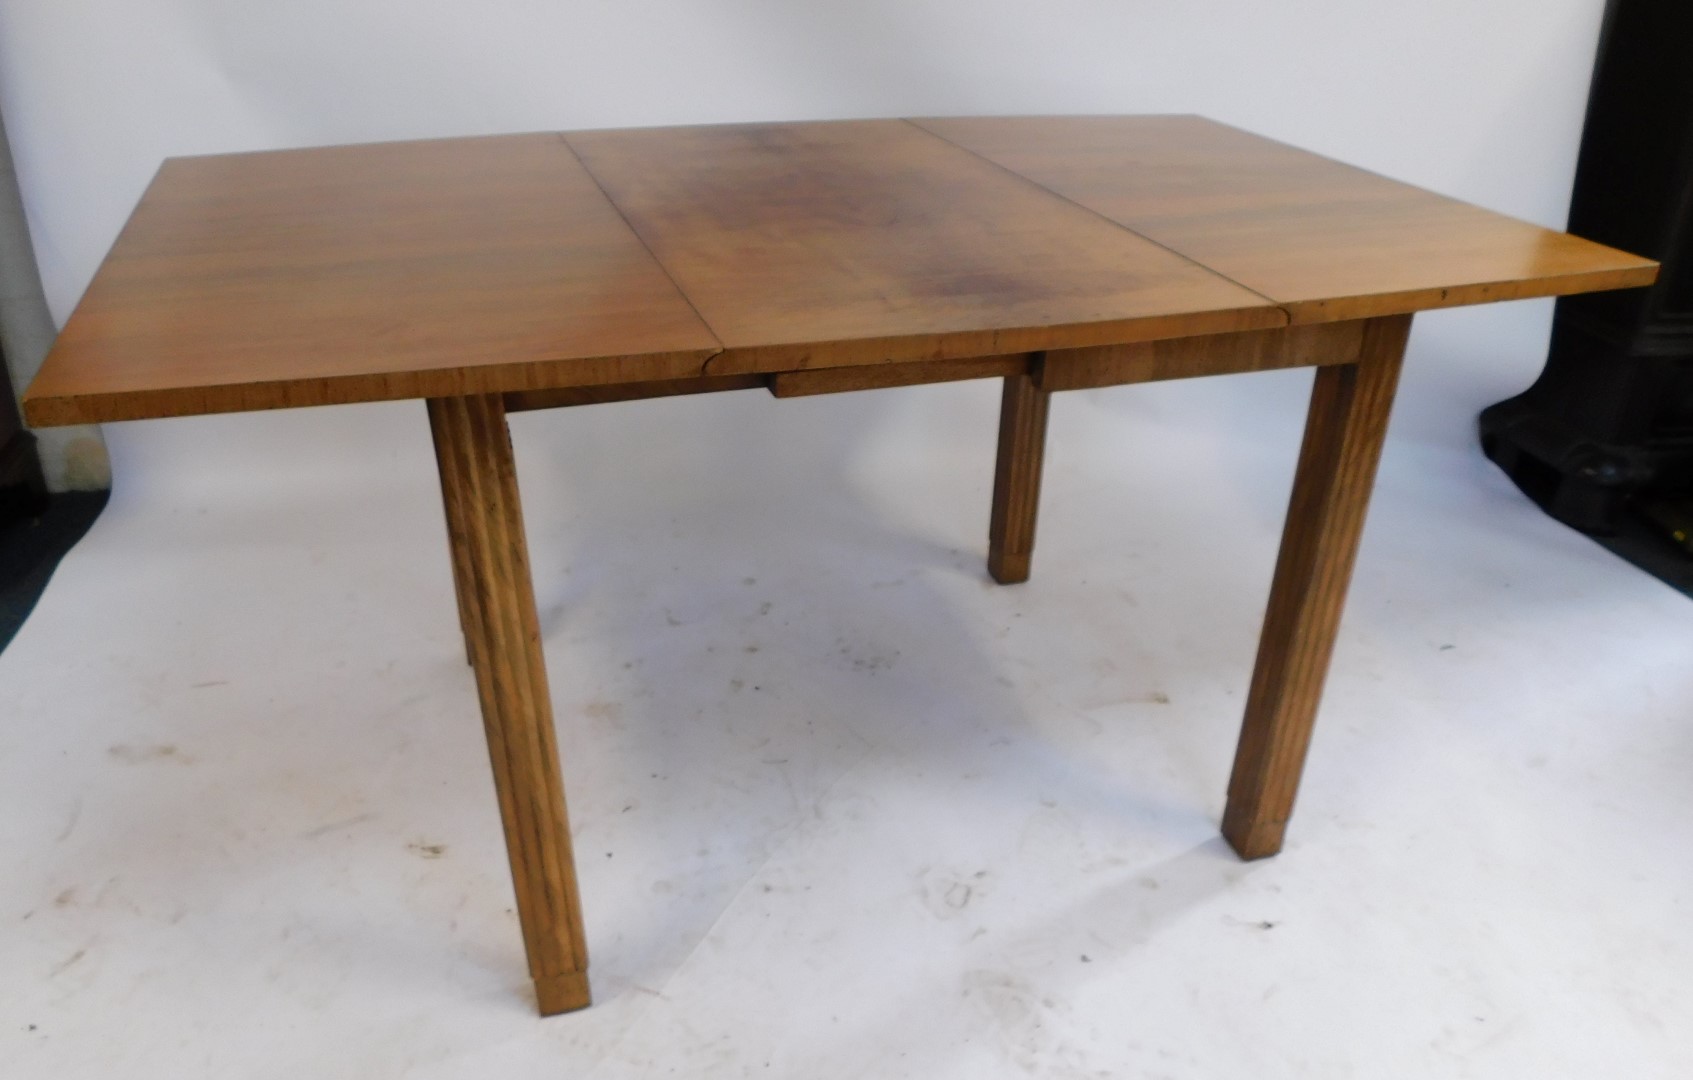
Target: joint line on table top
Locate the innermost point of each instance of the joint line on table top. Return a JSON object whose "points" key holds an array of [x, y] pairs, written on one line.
{"points": [[705, 362], [1037, 185]]}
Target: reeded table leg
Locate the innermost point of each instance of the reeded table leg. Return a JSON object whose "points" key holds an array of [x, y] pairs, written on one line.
{"points": [[1331, 489], [1016, 482], [455, 534], [497, 603]]}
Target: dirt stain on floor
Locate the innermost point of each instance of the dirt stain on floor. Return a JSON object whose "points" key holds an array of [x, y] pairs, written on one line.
{"points": [[609, 711], [135, 755], [66, 964]]}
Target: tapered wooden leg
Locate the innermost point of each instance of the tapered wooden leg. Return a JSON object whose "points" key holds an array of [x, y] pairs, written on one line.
{"points": [[1331, 490], [479, 481], [455, 536], [1016, 481]]}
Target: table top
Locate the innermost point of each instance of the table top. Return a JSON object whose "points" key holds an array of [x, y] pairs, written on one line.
{"points": [[531, 262]]}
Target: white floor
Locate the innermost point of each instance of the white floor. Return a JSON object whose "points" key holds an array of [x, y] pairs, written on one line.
{"points": [[842, 807]]}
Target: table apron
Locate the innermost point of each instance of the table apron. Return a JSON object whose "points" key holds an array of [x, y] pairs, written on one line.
{"points": [[1315, 345]]}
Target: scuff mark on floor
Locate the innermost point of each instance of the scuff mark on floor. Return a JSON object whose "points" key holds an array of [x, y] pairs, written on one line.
{"points": [[68, 963], [70, 826], [135, 755], [337, 826]]}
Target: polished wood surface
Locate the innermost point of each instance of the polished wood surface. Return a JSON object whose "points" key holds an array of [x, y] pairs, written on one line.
{"points": [[485, 522], [1322, 239], [363, 273], [1344, 430], [853, 242], [534, 263]]}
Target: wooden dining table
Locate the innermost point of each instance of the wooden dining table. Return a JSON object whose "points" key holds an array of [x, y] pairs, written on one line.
{"points": [[494, 274]]}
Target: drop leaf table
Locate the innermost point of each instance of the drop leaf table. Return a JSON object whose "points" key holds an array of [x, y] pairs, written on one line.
{"points": [[489, 275]]}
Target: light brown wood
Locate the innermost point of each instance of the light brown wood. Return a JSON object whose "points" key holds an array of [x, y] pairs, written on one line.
{"points": [[500, 265], [789, 384], [479, 480], [1214, 354], [1016, 482], [1324, 240], [567, 396], [857, 242], [363, 273], [1350, 404]]}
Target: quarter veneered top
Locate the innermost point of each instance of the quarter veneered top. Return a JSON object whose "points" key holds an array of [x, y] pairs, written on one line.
{"points": [[1324, 240], [536, 261]]}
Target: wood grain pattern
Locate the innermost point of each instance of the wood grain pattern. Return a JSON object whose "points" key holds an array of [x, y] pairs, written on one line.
{"points": [[1325, 517], [1214, 354], [1016, 482], [364, 273], [830, 244], [499, 265], [1324, 240], [788, 384], [479, 479]]}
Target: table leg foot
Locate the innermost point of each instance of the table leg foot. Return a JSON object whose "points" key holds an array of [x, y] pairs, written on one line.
{"points": [[479, 481], [1331, 491], [562, 993], [1016, 482], [1252, 839], [1009, 568]]}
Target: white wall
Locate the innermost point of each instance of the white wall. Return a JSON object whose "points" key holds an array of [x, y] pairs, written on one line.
{"points": [[72, 458], [1480, 101]]}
